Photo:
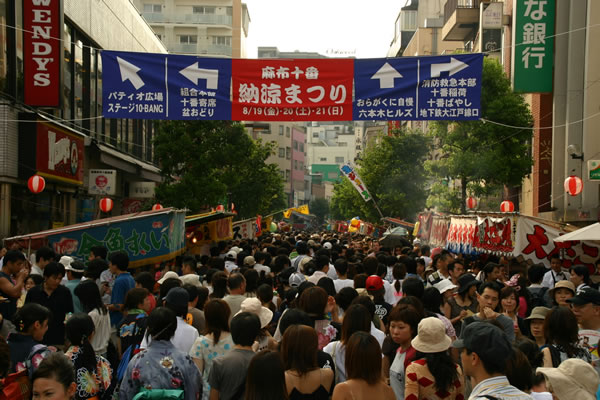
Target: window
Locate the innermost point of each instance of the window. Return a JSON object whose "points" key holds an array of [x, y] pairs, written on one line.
{"points": [[282, 173], [229, 11], [281, 152], [152, 8], [288, 153], [295, 145], [287, 131], [188, 39], [302, 147], [295, 164], [323, 159], [204, 10], [339, 160], [221, 40], [287, 174], [280, 130], [315, 134], [300, 166]]}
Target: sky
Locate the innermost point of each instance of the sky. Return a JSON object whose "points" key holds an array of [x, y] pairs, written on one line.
{"points": [[365, 27]]}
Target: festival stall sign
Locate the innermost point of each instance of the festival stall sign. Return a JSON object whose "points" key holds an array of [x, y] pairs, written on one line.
{"points": [[147, 237], [439, 231], [535, 241], [425, 221], [495, 235], [209, 227], [244, 230], [461, 235]]}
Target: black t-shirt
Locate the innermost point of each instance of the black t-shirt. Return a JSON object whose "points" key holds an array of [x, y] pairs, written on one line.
{"points": [[131, 330], [382, 310], [60, 303]]}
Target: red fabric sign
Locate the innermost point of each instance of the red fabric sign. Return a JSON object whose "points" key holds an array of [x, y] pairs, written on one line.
{"points": [[292, 90], [59, 154], [495, 235], [42, 30]]}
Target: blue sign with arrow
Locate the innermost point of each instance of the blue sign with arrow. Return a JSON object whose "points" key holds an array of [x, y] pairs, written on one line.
{"points": [[165, 86], [418, 88]]}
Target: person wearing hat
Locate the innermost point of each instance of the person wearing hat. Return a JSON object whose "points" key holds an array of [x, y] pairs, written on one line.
{"points": [[230, 259], [433, 374], [264, 340], [484, 352], [560, 293], [586, 307], [536, 325], [463, 304], [185, 335], [75, 270], [168, 275], [375, 289], [573, 379]]}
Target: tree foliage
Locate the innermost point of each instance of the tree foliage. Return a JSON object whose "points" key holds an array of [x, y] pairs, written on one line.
{"points": [[319, 208], [205, 163], [483, 156], [392, 169]]}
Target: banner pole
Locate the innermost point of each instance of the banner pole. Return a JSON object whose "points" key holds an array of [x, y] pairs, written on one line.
{"points": [[377, 207]]}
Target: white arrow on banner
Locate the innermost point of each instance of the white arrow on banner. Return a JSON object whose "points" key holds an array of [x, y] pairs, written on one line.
{"points": [[386, 76], [129, 72], [194, 74], [453, 67]]}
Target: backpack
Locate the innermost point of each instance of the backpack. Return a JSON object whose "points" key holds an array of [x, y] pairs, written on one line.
{"points": [[537, 297]]}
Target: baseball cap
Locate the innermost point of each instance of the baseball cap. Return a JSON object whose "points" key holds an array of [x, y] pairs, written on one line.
{"points": [[231, 255], [485, 339], [178, 297], [249, 261], [327, 245], [374, 282], [168, 275], [584, 296], [296, 279]]}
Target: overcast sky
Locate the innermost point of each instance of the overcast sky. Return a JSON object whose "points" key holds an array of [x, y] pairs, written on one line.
{"points": [[364, 26]]}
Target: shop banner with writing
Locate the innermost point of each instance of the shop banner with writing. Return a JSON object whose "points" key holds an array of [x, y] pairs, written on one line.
{"points": [[535, 241], [461, 234], [350, 172], [243, 230], [439, 231], [495, 235]]}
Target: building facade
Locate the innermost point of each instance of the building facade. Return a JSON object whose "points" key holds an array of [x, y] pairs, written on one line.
{"points": [[215, 28], [64, 141]]}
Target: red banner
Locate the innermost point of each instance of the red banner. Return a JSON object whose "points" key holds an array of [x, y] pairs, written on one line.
{"points": [[495, 235], [292, 90], [42, 30], [59, 154]]}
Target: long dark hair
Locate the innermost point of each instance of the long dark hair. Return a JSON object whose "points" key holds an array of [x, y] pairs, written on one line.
{"points": [[89, 296], [219, 284], [441, 367], [561, 329], [266, 377], [216, 314], [79, 328]]}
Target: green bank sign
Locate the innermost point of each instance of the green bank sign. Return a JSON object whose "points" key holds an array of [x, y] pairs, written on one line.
{"points": [[594, 168], [533, 45]]}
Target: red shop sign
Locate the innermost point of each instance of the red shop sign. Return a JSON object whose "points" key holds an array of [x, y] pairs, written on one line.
{"points": [[59, 154], [42, 52], [292, 90]]}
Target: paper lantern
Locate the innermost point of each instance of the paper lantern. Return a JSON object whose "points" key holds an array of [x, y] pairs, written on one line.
{"points": [[220, 208], [106, 204], [471, 203], [36, 184], [157, 207], [573, 185], [507, 206]]}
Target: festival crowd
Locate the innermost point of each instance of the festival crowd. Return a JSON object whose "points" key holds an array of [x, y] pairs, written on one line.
{"points": [[298, 316]]}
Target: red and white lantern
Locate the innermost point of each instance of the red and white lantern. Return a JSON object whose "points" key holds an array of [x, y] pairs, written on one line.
{"points": [[471, 203], [573, 185], [106, 204], [507, 206], [220, 208], [157, 207], [36, 184]]}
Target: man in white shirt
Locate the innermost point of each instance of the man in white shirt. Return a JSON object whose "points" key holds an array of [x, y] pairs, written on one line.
{"points": [[260, 258], [556, 273], [185, 335], [341, 266], [230, 258], [322, 266], [237, 287], [42, 257]]}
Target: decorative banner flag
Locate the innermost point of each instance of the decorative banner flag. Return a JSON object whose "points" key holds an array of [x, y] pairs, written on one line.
{"points": [[495, 235], [350, 173], [535, 241], [292, 90], [439, 231], [461, 234], [257, 226], [244, 229]]}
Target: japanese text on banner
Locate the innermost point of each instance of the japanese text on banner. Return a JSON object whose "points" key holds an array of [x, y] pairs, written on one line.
{"points": [[359, 185]]}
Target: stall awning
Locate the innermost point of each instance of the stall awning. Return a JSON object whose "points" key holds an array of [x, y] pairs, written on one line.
{"points": [[125, 162], [199, 219], [397, 221]]}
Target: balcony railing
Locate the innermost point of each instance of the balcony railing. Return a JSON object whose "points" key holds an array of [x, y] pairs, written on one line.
{"points": [[452, 5], [207, 19], [200, 49]]}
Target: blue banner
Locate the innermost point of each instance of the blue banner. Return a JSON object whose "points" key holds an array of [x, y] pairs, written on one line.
{"points": [[418, 88], [165, 86], [147, 240]]}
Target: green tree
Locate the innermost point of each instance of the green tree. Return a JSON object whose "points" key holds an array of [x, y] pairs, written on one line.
{"points": [[483, 157], [205, 163], [392, 169], [319, 208]]}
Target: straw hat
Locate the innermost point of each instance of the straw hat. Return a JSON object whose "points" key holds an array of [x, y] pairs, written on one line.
{"points": [[432, 336], [539, 313], [562, 284], [573, 379], [254, 306]]}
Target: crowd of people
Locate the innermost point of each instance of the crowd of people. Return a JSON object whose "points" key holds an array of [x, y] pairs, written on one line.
{"points": [[298, 316]]}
